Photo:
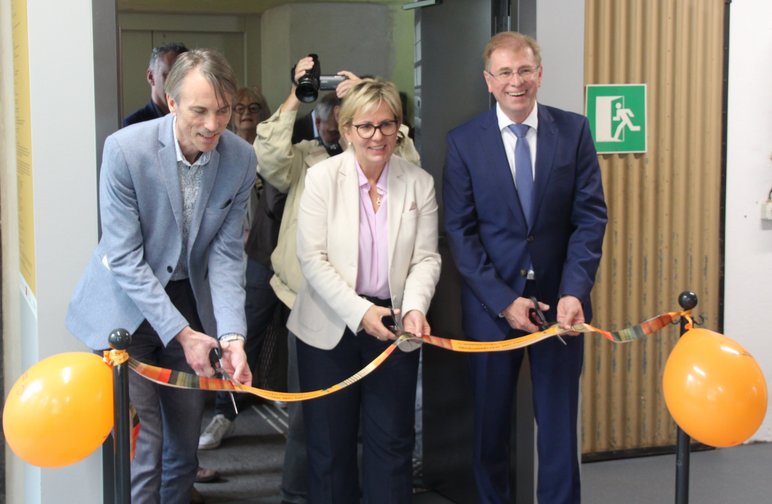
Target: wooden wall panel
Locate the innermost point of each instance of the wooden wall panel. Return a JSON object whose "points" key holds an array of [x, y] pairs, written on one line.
{"points": [[663, 235]]}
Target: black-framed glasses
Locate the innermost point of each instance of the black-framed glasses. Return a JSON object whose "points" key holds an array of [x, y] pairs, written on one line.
{"points": [[252, 108], [367, 130], [525, 73]]}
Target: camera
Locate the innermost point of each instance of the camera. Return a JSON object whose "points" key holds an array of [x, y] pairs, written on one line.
{"points": [[309, 85]]}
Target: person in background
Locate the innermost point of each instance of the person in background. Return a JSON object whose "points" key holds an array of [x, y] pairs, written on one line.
{"points": [[525, 217], [284, 165], [169, 266], [305, 127], [249, 110], [162, 59], [388, 267]]}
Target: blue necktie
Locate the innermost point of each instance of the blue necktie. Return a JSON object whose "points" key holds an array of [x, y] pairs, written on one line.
{"points": [[523, 171]]}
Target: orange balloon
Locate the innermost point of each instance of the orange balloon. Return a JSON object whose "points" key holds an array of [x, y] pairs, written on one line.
{"points": [[714, 389], [60, 410]]}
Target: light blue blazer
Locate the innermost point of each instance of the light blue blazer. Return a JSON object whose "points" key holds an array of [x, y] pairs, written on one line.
{"points": [[141, 216]]}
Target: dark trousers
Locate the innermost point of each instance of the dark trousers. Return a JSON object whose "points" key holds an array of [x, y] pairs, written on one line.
{"points": [[164, 467], [385, 403], [294, 476], [555, 373]]}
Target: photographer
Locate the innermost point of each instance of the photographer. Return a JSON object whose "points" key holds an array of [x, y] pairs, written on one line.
{"points": [[284, 166]]}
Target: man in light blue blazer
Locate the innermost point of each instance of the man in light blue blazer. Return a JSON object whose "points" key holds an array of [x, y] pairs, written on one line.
{"points": [[525, 217], [169, 267]]}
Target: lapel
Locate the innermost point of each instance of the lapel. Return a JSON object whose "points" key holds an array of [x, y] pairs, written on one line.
{"points": [[167, 160], [497, 166], [546, 142], [348, 199], [397, 191]]}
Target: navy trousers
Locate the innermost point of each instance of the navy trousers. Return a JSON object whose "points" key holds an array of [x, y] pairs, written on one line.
{"points": [[385, 402], [555, 373]]}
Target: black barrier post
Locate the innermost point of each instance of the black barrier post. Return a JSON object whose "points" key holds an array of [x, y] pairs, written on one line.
{"points": [[120, 339], [687, 300]]}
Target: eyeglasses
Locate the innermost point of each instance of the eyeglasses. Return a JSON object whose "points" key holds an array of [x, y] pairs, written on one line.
{"points": [[367, 130], [525, 73], [253, 108]]}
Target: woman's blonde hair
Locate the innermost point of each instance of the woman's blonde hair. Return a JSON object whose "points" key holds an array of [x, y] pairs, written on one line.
{"points": [[366, 95]]}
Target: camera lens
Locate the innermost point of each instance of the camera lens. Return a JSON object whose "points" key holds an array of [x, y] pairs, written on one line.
{"points": [[308, 89]]}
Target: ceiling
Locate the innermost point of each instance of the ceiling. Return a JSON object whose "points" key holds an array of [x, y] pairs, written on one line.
{"points": [[224, 6]]}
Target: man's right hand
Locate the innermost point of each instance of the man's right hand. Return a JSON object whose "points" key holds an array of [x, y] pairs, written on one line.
{"points": [[197, 346], [517, 314]]}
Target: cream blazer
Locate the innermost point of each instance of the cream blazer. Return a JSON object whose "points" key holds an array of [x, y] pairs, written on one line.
{"points": [[328, 247]]}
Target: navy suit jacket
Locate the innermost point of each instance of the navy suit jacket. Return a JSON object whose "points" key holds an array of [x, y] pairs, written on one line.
{"points": [[147, 113], [486, 228], [141, 214]]}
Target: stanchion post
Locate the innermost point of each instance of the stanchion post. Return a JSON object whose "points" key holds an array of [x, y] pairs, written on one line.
{"points": [[120, 339], [687, 300]]}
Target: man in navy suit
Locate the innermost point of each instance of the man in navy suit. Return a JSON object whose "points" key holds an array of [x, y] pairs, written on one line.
{"points": [[162, 59], [537, 233], [169, 267]]}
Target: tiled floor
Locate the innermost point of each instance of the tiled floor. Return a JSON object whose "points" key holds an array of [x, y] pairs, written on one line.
{"points": [[250, 463]]}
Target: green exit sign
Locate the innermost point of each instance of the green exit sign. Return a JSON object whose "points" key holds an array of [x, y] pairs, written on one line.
{"points": [[617, 116]]}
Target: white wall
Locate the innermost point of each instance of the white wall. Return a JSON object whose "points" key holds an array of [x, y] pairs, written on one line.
{"points": [[62, 119], [355, 37], [237, 37], [560, 32], [748, 289]]}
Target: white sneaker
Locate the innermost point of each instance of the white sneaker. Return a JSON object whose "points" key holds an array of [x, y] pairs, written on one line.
{"points": [[217, 429]]}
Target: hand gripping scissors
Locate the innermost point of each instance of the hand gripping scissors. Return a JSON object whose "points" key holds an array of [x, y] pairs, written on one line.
{"points": [[215, 357], [537, 317]]}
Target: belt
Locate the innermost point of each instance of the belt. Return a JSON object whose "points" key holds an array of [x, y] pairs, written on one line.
{"points": [[378, 301]]}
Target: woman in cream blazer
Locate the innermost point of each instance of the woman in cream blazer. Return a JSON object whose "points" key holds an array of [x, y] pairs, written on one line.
{"points": [[367, 243]]}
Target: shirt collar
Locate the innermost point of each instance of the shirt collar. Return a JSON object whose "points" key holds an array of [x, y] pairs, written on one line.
{"points": [[202, 160], [532, 120]]}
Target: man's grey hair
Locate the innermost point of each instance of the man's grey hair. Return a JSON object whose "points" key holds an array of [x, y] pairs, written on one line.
{"points": [[159, 52], [212, 65], [326, 105]]}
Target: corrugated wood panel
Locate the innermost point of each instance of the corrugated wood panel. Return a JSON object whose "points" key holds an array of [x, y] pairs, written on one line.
{"points": [[664, 206]]}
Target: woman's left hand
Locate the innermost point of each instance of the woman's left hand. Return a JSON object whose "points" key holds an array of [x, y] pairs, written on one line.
{"points": [[415, 323]]}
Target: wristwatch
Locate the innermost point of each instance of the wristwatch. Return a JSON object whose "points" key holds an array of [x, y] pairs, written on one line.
{"points": [[227, 337]]}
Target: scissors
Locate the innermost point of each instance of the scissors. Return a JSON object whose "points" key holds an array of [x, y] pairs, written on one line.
{"points": [[406, 345], [215, 357], [396, 326], [537, 317]]}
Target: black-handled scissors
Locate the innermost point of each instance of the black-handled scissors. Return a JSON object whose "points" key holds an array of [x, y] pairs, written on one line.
{"points": [[536, 316], [215, 358], [396, 328]]}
